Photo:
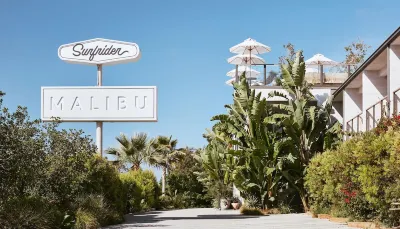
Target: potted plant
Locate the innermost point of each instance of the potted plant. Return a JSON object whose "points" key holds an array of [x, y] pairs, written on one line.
{"points": [[235, 203], [225, 203]]}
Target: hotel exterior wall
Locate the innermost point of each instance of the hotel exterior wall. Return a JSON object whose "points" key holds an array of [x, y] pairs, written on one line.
{"points": [[352, 105], [374, 89], [393, 73], [321, 95]]}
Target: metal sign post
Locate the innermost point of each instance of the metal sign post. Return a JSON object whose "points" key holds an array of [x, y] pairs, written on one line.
{"points": [[99, 124]]}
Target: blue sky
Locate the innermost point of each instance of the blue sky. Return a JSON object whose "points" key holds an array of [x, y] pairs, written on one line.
{"points": [[184, 47]]}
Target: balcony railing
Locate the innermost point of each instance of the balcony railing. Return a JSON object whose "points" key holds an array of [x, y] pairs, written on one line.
{"points": [[396, 101], [375, 112], [354, 124]]}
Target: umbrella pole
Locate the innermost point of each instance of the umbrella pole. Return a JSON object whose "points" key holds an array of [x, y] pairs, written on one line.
{"points": [[236, 74], [321, 73]]}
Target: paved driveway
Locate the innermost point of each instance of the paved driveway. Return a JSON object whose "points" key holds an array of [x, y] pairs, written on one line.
{"points": [[214, 219]]}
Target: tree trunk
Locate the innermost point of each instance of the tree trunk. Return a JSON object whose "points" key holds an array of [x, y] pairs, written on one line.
{"points": [[304, 200], [163, 180]]}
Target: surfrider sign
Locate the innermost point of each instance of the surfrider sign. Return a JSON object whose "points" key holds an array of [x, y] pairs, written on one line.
{"points": [[110, 104], [99, 51]]}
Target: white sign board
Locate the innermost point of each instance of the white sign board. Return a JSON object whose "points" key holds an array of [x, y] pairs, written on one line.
{"points": [[99, 51], [109, 104]]}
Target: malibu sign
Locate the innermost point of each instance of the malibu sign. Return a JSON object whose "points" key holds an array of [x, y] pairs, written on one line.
{"points": [[99, 51], [110, 104]]}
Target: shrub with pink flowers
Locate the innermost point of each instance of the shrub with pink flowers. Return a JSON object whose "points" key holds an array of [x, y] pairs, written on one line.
{"points": [[360, 179]]}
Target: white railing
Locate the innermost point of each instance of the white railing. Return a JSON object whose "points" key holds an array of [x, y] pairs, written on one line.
{"points": [[375, 112], [396, 101], [354, 125]]}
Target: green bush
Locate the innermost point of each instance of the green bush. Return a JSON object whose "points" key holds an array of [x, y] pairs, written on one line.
{"points": [[141, 189], [29, 212], [359, 179], [250, 211], [103, 178], [186, 184], [94, 210], [85, 220]]}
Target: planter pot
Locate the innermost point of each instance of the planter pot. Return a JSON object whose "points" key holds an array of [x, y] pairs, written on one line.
{"points": [[236, 206], [225, 204], [365, 225], [324, 216], [339, 220]]}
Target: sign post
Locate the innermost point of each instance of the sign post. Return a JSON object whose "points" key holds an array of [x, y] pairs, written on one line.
{"points": [[99, 104], [99, 124]]}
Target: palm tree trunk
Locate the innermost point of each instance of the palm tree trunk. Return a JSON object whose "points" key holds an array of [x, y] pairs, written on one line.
{"points": [[163, 180]]}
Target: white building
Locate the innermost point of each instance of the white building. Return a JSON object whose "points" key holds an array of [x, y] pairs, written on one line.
{"points": [[365, 96]]}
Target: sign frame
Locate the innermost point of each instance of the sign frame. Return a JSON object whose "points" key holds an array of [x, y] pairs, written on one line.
{"points": [[124, 59], [110, 119]]}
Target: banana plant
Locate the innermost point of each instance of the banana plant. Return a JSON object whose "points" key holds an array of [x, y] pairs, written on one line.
{"points": [[305, 125], [251, 142]]}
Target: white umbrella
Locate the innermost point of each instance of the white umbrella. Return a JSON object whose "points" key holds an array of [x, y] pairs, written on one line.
{"points": [[256, 83], [250, 46], [250, 73], [246, 59], [311, 70], [319, 59], [230, 82]]}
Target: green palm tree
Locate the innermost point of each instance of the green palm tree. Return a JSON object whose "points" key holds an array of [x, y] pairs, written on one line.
{"points": [[134, 150], [164, 155]]}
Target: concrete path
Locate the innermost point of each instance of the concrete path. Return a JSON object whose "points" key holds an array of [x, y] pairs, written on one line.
{"points": [[208, 218]]}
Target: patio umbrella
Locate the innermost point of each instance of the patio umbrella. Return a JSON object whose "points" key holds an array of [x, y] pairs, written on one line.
{"points": [[230, 82], [250, 73], [311, 70], [320, 60], [245, 59], [250, 46]]}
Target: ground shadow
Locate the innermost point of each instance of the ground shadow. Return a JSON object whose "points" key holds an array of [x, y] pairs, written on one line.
{"points": [[146, 219]]}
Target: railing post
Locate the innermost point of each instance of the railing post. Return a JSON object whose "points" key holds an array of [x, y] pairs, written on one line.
{"points": [[358, 123], [394, 103], [265, 74], [373, 117]]}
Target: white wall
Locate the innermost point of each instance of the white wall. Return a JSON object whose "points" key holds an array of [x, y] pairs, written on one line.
{"points": [[352, 105], [393, 72], [374, 88]]}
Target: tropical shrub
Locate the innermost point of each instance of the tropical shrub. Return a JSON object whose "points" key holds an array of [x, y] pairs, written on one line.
{"points": [[360, 177], [141, 189]]}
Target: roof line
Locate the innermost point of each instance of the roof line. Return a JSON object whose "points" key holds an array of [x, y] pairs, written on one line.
{"points": [[375, 54]]}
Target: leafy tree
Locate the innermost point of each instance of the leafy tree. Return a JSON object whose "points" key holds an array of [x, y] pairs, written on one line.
{"points": [[134, 151], [22, 155], [355, 54], [165, 154]]}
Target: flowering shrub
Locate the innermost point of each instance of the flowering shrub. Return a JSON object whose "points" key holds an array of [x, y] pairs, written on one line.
{"points": [[385, 123], [360, 178]]}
